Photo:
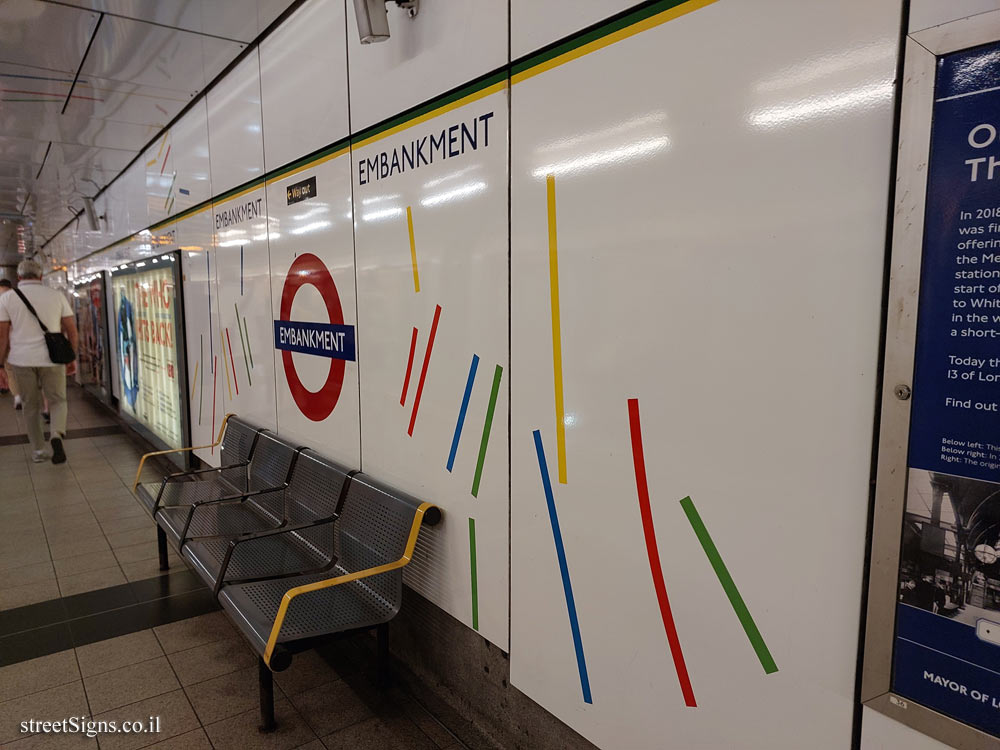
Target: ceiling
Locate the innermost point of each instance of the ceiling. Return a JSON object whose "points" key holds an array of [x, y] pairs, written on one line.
{"points": [[136, 63]]}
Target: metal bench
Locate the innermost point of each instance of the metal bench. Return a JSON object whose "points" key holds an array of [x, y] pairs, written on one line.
{"points": [[373, 539], [237, 439], [256, 507], [228, 543]]}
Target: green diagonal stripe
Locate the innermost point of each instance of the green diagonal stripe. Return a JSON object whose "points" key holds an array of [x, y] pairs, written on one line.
{"points": [[475, 575], [740, 607], [243, 341], [486, 430], [247, 331]]}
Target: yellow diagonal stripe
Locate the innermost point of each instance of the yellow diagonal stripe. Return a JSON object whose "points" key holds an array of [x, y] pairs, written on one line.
{"points": [[194, 380], [617, 36], [550, 186], [413, 250]]}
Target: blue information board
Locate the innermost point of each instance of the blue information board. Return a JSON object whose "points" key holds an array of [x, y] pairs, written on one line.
{"points": [[947, 649]]}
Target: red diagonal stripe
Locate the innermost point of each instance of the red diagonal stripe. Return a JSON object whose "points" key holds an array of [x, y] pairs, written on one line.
{"points": [[165, 157], [409, 368], [231, 360], [423, 369], [654, 554]]}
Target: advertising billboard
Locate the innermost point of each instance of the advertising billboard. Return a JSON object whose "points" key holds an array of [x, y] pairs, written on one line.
{"points": [[93, 369], [148, 323], [948, 613]]}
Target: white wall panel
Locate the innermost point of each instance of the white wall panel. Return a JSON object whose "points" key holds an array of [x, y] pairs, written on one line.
{"points": [[201, 315], [133, 183], [430, 303], [446, 45], [243, 333], [927, 13], [235, 140], [534, 24], [719, 245], [312, 281], [882, 733], [178, 173], [303, 79]]}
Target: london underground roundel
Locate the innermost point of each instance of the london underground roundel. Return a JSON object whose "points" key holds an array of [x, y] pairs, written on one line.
{"points": [[333, 339]]}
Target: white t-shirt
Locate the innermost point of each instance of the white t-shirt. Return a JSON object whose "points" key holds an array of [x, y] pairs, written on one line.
{"points": [[27, 342]]}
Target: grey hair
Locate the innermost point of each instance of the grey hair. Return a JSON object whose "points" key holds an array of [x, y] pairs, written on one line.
{"points": [[29, 269]]}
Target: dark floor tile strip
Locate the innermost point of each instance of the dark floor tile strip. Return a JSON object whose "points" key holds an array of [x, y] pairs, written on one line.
{"points": [[31, 644], [141, 616], [111, 599], [83, 432]]}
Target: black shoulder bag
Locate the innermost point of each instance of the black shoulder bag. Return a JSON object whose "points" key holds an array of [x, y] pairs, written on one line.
{"points": [[60, 351]]}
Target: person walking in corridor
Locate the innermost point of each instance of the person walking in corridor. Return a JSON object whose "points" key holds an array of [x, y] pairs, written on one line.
{"points": [[7, 382], [24, 348]]}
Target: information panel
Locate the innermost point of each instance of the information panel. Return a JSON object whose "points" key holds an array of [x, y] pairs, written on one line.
{"points": [[147, 305], [93, 371], [947, 647]]}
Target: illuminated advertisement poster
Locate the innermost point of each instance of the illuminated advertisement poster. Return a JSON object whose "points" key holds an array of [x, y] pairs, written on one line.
{"points": [[147, 322], [947, 646], [92, 371]]}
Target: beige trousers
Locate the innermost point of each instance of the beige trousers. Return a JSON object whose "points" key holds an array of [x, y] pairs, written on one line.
{"points": [[33, 383]]}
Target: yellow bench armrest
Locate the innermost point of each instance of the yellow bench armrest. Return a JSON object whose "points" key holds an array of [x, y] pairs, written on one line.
{"points": [[279, 619], [218, 440]]}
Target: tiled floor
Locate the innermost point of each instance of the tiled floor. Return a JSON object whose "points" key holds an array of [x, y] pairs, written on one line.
{"points": [[83, 413], [74, 527], [201, 680], [79, 583]]}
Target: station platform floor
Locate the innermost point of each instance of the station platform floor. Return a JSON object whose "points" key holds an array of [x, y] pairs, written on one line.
{"points": [[89, 626]]}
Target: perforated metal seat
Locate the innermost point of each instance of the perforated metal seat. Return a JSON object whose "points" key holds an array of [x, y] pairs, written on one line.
{"points": [[230, 478], [374, 539], [259, 506], [304, 542]]}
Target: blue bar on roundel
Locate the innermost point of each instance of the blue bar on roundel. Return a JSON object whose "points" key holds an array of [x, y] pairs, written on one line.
{"points": [[331, 340]]}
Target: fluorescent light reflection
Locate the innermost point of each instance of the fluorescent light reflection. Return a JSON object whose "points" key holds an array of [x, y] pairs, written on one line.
{"points": [[385, 213], [826, 66], [828, 105], [314, 226], [613, 134], [452, 195], [627, 153]]}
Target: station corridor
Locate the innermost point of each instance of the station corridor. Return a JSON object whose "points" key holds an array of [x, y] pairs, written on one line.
{"points": [[90, 627]]}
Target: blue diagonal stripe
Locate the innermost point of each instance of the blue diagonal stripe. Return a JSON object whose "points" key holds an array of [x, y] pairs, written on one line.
{"points": [[461, 412], [574, 623]]}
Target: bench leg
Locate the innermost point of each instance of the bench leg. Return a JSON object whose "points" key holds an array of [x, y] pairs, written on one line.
{"points": [[266, 680], [383, 676], [161, 548]]}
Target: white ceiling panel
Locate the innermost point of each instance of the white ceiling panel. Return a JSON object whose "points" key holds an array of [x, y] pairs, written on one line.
{"points": [[43, 121], [151, 55], [135, 68], [239, 20], [22, 150], [128, 102], [48, 36]]}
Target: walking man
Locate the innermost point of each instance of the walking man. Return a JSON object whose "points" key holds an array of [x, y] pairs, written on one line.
{"points": [[6, 377], [23, 347]]}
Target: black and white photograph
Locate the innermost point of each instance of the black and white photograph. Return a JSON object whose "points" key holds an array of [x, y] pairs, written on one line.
{"points": [[949, 556]]}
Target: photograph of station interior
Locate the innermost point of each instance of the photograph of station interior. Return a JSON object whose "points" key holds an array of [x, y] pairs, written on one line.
{"points": [[549, 308]]}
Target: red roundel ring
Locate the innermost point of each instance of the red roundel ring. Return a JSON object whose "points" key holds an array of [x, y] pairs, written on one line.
{"points": [[308, 269]]}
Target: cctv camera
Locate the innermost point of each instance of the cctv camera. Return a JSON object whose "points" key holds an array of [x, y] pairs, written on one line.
{"points": [[373, 18]]}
